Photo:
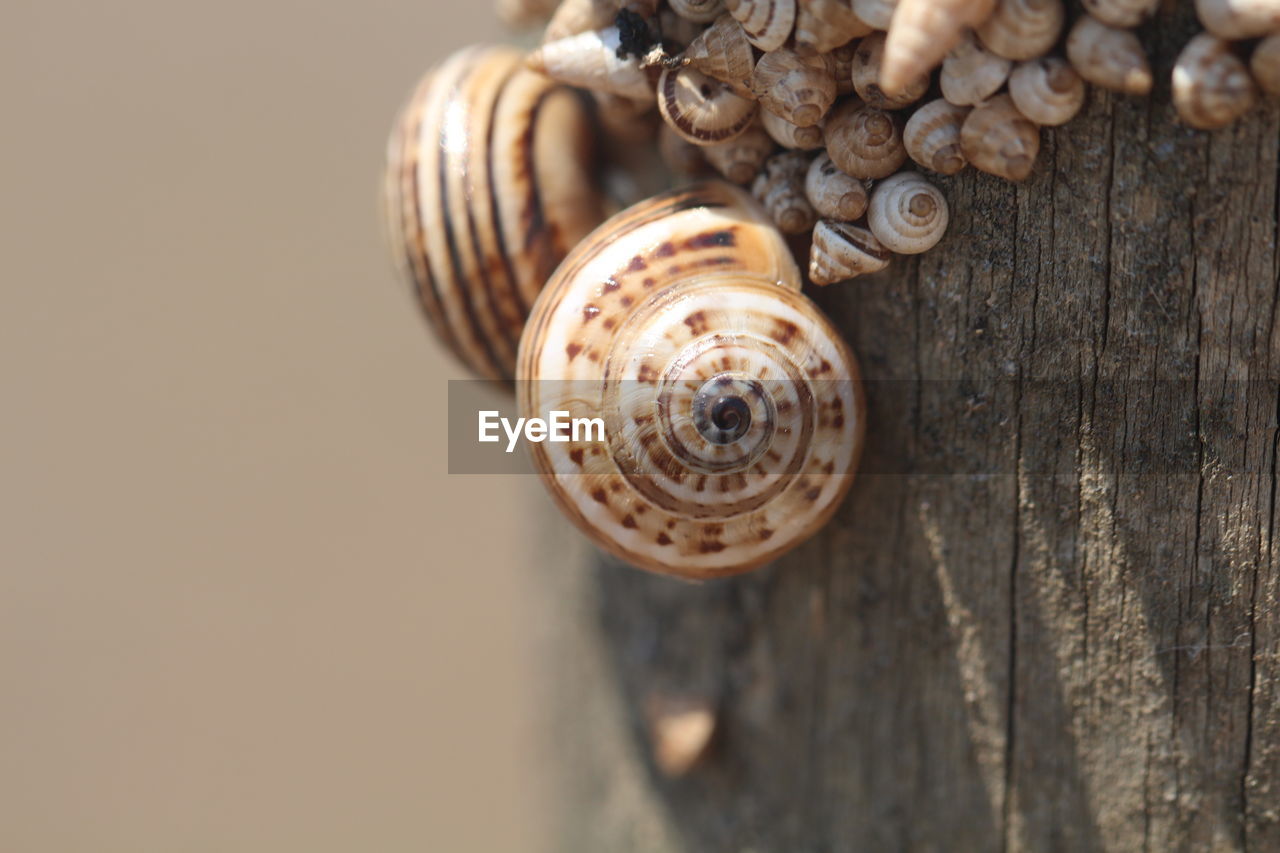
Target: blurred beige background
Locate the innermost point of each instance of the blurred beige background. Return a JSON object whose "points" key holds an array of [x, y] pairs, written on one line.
{"points": [[243, 607]]}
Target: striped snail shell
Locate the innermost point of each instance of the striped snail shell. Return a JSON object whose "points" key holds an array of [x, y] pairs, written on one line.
{"points": [[1047, 90], [1211, 86], [842, 251], [833, 194], [733, 410], [863, 141], [908, 214], [723, 52], [789, 135], [701, 109], [932, 136], [1108, 57], [865, 75], [486, 189], [1023, 29], [767, 23], [1265, 64], [799, 88]]}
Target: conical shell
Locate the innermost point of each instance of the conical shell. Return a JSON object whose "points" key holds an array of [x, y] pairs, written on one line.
{"points": [[863, 141], [700, 108], [1265, 64], [780, 188], [841, 251], [932, 136], [1048, 91], [767, 23], [742, 158], [698, 11], [824, 25], [923, 32], [1239, 19], [580, 16], [1211, 86], [865, 75], [590, 60], [798, 88], [788, 135], [971, 73], [723, 52], [877, 14], [833, 194], [681, 157], [1121, 13], [908, 214], [1022, 29], [998, 139], [1108, 57]]}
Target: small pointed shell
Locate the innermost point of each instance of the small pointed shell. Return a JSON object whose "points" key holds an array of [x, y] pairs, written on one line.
{"points": [[824, 25], [780, 188], [741, 159], [863, 141], [1047, 91], [1239, 19], [932, 136], [681, 157], [698, 11], [788, 135], [700, 108], [723, 52], [798, 88], [877, 13], [833, 194], [767, 23], [998, 139], [1265, 64], [590, 60], [865, 75], [908, 214], [1121, 13], [971, 74], [1022, 29], [841, 251], [922, 33], [1211, 86], [1108, 57]]}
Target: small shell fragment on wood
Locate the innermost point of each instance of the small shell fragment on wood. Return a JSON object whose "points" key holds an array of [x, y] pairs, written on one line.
{"points": [[971, 73], [1048, 91], [1121, 13], [780, 188], [833, 194], [908, 214], [865, 76], [701, 109], [741, 159], [590, 60], [824, 25], [788, 135], [1239, 19], [923, 32], [1265, 64], [1108, 57], [681, 157], [767, 23], [723, 52], [841, 251], [798, 88], [878, 14], [932, 136], [698, 11], [1022, 29], [863, 141], [1211, 86], [1000, 140]]}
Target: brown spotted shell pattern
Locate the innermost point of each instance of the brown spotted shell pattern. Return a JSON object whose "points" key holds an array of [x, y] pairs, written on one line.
{"points": [[733, 410], [486, 190]]}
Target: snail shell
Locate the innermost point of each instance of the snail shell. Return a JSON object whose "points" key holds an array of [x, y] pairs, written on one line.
{"points": [[733, 410], [1121, 13], [524, 13], [590, 60], [579, 16], [971, 73], [932, 136], [780, 189], [798, 88], [1108, 57], [863, 141], [842, 67], [1239, 19], [998, 139], [1211, 86], [922, 33], [626, 120], [877, 14], [788, 135], [486, 189], [908, 214], [678, 32], [741, 159], [833, 194], [865, 75], [824, 25], [698, 11], [1047, 91], [767, 23], [723, 52], [1265, 64], [841, 251], [700, 108], [1023, 29]]}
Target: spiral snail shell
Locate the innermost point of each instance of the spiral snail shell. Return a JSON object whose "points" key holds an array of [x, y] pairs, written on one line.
{"points": [[971, 73], [722, 51], [863, 141], [932, 136], [798, 88], [999, 140], [1265, 64], [1239, 19], [767, 23], [789, 135], [1047, 91], [733, 410], [842, 251], [833, 194], [485, 191], [1108, 57], [700, 108], [1023, 29], [908, 214], [824, 25], [1211, 86]]}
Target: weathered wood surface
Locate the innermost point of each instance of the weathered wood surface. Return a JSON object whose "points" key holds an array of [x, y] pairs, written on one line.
{"points": [[1050, 620]]}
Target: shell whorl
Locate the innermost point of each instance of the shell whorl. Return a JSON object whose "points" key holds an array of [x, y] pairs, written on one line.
{"points": [[908, 214], [733, 410]]}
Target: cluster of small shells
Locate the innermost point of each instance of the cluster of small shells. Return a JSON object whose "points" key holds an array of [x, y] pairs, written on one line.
{"points": [[818, 105]]}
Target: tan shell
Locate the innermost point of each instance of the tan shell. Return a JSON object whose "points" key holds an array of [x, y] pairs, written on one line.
{"points": [[878, 14], [741, 159], [788, 135], [698, 11], [681, 730], [486, 189], [1265, 64], [908, 214], [580, 16], [863, 141], [590, 60], [1048, 91], [733, 409], [1211, 86], [625, 119], [780, 188], [833, 194], [923, 32], [824, 25], [524, 13], [1239, 19], [971, 73], [932, 136], [865, 75], [1121, 13], [998, 139], [841, 251], [678, 32], [1108, 57], [723, 52], [1023, 29], [798, 88], [701, 109], [767, 23], [681, 157], [842, 67]]}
